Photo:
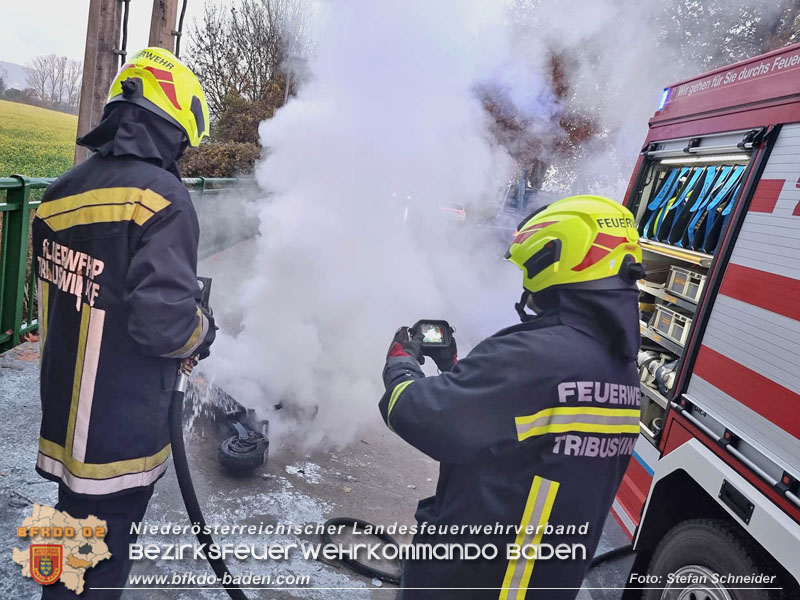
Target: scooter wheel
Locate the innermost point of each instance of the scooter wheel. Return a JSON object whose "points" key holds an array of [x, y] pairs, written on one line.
{"points": [[241, 456]]}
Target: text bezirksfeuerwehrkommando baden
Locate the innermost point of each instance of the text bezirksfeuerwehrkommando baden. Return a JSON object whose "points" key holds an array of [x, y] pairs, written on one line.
{"points": [[360, 551], [522, 548]]}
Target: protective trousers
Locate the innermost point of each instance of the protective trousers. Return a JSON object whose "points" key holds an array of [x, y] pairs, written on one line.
{"points": [[118, 513]]}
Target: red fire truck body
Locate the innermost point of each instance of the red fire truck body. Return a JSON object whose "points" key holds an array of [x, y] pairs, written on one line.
{"points": [[720, 441]]}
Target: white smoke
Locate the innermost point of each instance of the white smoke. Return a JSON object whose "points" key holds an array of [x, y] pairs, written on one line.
{"points": [[390, 111]]}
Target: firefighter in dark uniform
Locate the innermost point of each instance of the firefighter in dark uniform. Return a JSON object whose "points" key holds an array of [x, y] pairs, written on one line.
{"points": [[535, 427], [115, 243]]}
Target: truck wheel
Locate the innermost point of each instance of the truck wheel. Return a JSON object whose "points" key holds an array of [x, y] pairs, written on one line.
{"points": [[699, 551]]}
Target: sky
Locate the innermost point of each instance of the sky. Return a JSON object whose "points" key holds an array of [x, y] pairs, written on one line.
{"points": [[25, 34]]}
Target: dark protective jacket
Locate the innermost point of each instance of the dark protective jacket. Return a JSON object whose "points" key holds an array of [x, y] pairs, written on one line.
{"points": [[115, 250], [535, 426]]}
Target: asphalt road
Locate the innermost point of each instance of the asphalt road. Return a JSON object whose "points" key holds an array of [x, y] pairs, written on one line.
{"points": [[377, 477]]}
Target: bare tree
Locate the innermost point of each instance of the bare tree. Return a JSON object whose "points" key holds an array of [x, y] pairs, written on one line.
{"points": [[40, 78], [248, 50], [72, 76], [291, 20], [58, 65], [55, 81]]}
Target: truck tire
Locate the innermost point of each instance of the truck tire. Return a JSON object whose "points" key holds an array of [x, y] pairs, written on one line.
{"points": [[705, 548]]}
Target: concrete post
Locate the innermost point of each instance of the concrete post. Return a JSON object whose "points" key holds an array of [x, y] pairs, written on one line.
{"points": [[163, 23], [100, 65]]}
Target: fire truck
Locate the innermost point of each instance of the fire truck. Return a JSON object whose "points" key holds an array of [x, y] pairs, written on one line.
{"points": [[711, 499]]}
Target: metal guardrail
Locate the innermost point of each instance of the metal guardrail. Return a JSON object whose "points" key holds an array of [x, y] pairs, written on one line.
{"points": [[19, 197], [17, 284]]}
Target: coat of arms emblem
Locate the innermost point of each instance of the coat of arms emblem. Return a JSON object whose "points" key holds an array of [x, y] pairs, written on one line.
{"points": [[46, 562]]}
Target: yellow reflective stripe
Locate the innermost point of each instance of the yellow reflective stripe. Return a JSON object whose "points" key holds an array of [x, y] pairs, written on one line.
{"points": [[578, 426], [102, 470], [78, 374], [44, 299], [535, 517], [91, 358], [398, 389], [105, 205], [506, 593], [116, 195], [537, 538], [663, 213], [192, 341], [582, 428], [110, 213], [579, 410], [578, 418]]}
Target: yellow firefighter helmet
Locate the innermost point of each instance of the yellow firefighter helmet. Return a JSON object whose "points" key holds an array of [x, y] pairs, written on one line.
{"points": [[581, 241], [157, 81]]}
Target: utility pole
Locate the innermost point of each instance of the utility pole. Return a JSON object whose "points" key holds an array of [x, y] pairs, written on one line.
{"points": [[100, 64], [162, 24]]}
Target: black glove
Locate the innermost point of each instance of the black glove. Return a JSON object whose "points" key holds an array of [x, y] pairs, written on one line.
{"points": [[445, 357], [203, 350], [404, 344]]}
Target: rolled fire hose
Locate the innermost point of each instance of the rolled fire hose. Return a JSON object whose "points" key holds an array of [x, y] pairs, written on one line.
{"points": [[185, 478]]}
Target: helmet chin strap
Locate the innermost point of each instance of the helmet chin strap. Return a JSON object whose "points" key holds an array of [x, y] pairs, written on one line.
{"points": [[521, 305]]}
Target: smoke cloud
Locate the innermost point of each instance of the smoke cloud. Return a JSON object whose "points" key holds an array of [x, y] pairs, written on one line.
{"points": [[386, 132]]}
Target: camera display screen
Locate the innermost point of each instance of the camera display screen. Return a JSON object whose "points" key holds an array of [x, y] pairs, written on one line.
{"points": [[432, 334]]}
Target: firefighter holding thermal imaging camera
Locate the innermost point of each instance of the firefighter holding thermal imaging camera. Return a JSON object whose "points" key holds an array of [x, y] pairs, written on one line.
{"points": [[536, 425]]}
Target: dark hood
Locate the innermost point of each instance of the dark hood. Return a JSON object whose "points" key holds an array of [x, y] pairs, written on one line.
{"points": [[129, 130], [610, 316]]}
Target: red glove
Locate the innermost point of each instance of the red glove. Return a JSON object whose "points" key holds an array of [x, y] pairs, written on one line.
{"points": [[405, 345]]}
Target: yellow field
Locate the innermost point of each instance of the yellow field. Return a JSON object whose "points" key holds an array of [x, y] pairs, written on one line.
{"points": [[35, 141]]}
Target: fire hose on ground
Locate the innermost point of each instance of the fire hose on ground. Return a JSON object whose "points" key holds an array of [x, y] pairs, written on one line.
{"points": [[187, 488], [391, 578], [182, 464]]}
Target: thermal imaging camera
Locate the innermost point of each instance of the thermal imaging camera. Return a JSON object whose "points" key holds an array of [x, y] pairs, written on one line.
{"points": [[435, 334]]}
